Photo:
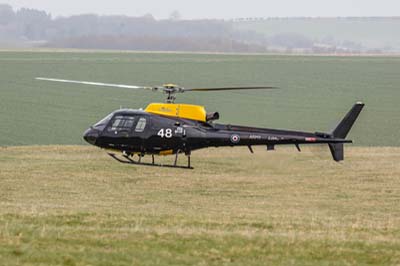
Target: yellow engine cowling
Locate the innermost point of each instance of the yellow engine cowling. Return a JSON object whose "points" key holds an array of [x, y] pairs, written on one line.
{"points": [[193, 112]]}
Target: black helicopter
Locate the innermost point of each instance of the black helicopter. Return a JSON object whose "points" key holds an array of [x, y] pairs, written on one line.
{"points": [[172, 129]]}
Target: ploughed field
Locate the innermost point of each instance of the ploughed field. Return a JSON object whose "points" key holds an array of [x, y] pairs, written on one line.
{"points": [[315, 92], [73, 205]]}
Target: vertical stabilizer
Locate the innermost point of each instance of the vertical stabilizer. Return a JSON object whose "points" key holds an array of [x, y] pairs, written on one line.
{"points": [[337, 151], [342, 130]]}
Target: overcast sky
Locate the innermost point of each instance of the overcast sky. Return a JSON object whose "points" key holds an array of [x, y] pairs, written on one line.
{"points": [[216, 8]]}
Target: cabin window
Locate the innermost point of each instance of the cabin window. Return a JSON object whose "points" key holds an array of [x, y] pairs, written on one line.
{"points": [[122, 123], [141, 125]]}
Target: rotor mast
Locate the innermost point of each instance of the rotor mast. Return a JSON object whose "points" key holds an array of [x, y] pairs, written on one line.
{"points": [[171, 90], [170, 97]]}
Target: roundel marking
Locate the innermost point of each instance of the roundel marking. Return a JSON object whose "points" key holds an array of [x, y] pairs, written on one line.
{"points": [[235, 138]]}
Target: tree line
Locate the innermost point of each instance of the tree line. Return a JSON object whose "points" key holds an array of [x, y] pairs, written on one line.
{"points": [[90, 31], [120, 32]]}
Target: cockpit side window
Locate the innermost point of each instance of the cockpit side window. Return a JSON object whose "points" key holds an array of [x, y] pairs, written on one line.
{"points": [[122, 123], [141, 125]]}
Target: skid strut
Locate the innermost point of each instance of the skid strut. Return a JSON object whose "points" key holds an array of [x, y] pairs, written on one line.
{"points": [[128, 160]]}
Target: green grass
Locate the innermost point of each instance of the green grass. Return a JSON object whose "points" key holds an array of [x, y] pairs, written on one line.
{"points": [[73, 205], [315, 92]]}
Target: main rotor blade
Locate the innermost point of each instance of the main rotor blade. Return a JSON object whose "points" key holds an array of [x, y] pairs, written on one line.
{"points": [[95, 83], [231, 88]]}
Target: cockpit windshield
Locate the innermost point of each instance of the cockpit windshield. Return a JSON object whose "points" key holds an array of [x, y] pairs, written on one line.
{"points": [[103, 123]]}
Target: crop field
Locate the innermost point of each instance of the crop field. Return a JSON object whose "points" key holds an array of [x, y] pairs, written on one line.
{"points": [[315, 92], [72, 205]]}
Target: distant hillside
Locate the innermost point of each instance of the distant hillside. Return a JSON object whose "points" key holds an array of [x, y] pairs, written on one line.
{"points": [[353, 33], [32, 28]]}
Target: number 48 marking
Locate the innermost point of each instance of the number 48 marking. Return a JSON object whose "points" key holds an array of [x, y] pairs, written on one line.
{"points": [[165, 133]]}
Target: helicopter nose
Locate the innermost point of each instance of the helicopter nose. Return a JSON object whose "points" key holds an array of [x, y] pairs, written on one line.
{"points": [[91, 135]]}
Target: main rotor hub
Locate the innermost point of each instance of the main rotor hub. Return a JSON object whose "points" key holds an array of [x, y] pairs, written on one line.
{"points": [[170, 90], [170, 86]]}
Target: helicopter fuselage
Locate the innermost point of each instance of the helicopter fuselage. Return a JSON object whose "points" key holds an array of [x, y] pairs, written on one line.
{"points": [[140, 132], [170, 128]]}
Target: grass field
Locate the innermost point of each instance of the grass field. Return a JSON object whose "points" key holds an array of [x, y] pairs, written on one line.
{"points": [[73, 205], [315, 92]]}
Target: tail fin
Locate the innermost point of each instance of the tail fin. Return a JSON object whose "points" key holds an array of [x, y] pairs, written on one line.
{"points": [[337, 151], [342, 129], [346, 124]]}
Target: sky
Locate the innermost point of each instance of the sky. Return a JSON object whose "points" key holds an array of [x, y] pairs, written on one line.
{"points": [[224, 9]]}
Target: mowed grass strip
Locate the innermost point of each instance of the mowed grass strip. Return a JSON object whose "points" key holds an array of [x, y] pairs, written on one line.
{"points": [[73, 205]]}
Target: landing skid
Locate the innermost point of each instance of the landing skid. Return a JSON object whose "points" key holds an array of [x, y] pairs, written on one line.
{"points": [[129, 160]]}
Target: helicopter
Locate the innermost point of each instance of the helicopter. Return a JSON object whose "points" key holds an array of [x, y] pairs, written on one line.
{"points": [[172, 129]]}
